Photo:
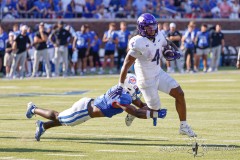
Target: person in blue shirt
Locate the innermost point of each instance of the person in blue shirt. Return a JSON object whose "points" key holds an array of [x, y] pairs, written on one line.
{"points": [[70, 10], [188, 46], [95, 46], [203, 47], [3, 39], [91, 35], [106, 105], [110, 39], [123, 36], [81, 43]]}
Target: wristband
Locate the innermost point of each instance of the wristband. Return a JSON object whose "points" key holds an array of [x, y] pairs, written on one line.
{"points": [[155, 114], [148, 114], [121, 84]]}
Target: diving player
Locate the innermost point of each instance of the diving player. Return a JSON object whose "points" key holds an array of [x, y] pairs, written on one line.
{"points": [[105, 105], [145, 50]]}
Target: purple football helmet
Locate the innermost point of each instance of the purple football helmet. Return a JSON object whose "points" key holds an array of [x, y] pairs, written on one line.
{"points": [[147, 26]]}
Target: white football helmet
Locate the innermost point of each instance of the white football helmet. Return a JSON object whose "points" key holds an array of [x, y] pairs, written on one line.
{"points": [[130, 85]]}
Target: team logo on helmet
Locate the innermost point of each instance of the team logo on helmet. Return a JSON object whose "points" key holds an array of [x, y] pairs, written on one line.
{"points": [[132, 80]]}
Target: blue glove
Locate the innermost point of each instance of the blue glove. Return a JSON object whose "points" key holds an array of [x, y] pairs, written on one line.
{"points": [[116, 93], [162, 113]]}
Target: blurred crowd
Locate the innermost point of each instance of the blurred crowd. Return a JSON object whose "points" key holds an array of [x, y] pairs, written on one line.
{"points": [[108, 9], [54, 50]]}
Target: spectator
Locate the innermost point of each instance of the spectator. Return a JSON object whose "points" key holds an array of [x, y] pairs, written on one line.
{"points": [[80, 43], [70, 11], [10, 10], [140, 6], [123, 36], [235, 10], [30, 8], [40, 44], [30, 53], [20, 52], [110, 38], [225, 9], [58, 9], [90, 9], [16, 30], [207, 10], [159, 27], [202, 44], [216, 11], [95, 44], [91, 35], [8, 54], [3, 39], [79, 7], [217, 44], [71, 54], [50, 9], [41, 9], [188, 47], [238, 60], [51, 29], [165, 32], [195, 6], [22, 8], [175, 37], [60, 38]]}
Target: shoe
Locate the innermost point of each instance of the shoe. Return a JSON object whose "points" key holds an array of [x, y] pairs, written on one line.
{"points": [[39, 130], [210, 69], [30, 107], [129, 119], [205, 70], [186, 130]]}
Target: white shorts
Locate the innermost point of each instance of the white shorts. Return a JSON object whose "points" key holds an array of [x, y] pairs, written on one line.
{"points": [[203, 51], [75, 115], [149, 88]]}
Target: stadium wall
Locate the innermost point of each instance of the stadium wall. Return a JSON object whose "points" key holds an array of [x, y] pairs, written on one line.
{"points": [[231, 28]]}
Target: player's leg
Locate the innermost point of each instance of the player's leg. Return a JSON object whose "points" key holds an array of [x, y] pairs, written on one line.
{"points": [[168, 85]]}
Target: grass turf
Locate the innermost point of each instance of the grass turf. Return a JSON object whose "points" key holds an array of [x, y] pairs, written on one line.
{"points": [[213, 112]]}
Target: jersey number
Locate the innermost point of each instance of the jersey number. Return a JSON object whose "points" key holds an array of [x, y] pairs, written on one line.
{"points": [[156, 57]]}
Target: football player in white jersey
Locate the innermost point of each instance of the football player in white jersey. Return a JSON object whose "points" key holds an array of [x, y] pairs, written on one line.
{"points": [[145, 50]]}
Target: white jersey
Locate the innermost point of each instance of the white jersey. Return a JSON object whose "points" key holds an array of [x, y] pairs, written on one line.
{"points": [[147, 54]]}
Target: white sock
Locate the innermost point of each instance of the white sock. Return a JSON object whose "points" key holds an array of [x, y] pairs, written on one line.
{"points": [[183, 123]]}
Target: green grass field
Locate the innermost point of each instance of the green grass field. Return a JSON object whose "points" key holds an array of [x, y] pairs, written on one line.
{"points": [[213, 102]]}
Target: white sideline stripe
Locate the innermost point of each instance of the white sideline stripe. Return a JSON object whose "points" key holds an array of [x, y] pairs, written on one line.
{"points": [[208, 80], [9, 87], [67, 155], [6, 158], [12, 158], [119, 151]]}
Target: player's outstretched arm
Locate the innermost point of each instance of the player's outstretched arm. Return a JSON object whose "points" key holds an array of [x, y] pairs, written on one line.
{"points": [[141, 113], [138, 103]]}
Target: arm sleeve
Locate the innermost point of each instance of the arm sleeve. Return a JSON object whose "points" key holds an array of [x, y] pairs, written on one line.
{"points": [[134, 53]]}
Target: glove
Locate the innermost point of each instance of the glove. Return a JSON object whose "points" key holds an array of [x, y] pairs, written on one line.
{"points": [[162, 113], [117, 92]]}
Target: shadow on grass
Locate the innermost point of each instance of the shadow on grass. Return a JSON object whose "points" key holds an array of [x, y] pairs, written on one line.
{"points": [[21, 150]]}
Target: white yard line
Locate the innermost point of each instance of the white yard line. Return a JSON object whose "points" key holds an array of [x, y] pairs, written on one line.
{"points": [[118, 151], [66, 155]]}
